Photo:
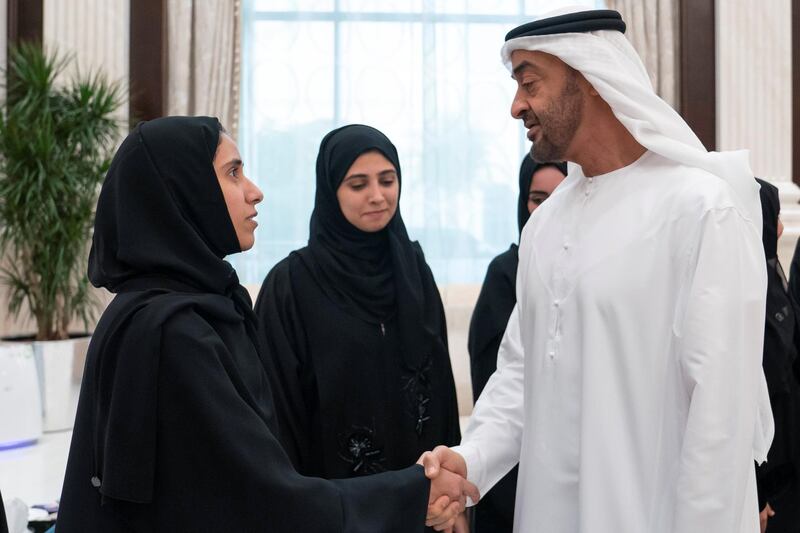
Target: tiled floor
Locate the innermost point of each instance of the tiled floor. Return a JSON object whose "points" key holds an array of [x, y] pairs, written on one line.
{"points": [[34, 474]]}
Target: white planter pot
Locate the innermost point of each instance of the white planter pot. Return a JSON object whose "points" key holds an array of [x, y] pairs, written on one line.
{"points": [[20, 404], [60, 367]]}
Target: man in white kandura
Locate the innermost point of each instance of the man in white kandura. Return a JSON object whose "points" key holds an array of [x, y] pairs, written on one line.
{"points": [[629, 382]]}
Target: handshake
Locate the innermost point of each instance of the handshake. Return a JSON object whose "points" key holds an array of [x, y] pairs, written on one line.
{"points": [[447, 471]]}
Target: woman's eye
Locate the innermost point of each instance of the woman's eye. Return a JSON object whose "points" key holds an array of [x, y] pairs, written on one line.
{"points": [[356, 186], [387, 182], [537, 200]]}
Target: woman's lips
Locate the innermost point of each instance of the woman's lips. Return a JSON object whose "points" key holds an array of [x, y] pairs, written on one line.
{"points": [[374, 214]]}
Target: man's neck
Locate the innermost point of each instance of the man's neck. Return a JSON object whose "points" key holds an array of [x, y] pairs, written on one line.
{"points": [[604, 150]]}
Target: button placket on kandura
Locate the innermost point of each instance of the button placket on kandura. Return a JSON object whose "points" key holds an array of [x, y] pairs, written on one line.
{"points": [[552, 331]]}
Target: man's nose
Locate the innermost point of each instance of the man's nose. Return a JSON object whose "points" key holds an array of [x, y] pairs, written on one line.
{"points": [[518, 106]]}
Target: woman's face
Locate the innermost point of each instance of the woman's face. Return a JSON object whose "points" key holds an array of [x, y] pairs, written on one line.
{"points": [[368, 193], [241, 194], [544, 182]]}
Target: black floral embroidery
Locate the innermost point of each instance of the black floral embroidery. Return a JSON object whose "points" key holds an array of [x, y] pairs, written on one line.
{"points": [[358, 448], [418, 394]]}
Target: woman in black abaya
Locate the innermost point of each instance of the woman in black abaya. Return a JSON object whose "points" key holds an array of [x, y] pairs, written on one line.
{"points": [[497, 298], [355, 325], [777, 479], [176, 428]]}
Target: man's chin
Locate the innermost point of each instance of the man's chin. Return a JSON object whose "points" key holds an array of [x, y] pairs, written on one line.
{"points": [[545, 154]]}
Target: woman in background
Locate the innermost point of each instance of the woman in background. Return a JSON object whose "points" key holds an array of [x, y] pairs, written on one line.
{"points": [[355, 326], [492, 310], [777, 479]]}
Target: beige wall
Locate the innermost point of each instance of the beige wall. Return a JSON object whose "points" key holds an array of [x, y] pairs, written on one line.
{"points": [[754, 88], [754, 83]]}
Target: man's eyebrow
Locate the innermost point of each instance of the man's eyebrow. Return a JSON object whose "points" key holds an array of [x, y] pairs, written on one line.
{"points": [[522, 66]]}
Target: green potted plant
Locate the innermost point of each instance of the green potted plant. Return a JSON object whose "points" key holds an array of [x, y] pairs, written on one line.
{"points": [[55, 145]]}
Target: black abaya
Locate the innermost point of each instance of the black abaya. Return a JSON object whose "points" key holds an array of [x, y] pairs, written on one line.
{"points": [[356, 335]]}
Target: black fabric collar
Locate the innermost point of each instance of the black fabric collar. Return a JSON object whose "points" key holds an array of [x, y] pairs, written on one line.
{"points": [[580, 22]]}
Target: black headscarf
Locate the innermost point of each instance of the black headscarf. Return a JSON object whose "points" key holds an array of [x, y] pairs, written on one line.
{"points": [[161, 230], [369, 275], [527, 169], [161, 211]]}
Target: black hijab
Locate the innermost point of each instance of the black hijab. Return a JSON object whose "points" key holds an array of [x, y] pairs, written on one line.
{"points": [[372, 276], [161, 230], [527, 169], [161, 212]]}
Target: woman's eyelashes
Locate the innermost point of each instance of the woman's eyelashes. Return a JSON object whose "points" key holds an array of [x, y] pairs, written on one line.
{"points": [[358, 184]]}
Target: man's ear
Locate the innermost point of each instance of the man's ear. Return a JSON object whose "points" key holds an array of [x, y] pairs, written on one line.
{"points": [[587, 87]]}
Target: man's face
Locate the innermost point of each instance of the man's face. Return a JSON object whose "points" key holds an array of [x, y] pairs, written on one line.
{"points": [[549, 100]]}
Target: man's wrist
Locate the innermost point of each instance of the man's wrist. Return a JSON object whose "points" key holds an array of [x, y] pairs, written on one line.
{"points": [[472, 458]]}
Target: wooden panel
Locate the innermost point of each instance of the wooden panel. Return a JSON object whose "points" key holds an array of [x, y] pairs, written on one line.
{"points": [[698, 85], [25, 20], [148, 65]]}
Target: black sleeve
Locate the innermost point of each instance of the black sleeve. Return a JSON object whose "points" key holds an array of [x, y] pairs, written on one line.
{"points": [[449, 392], [453, 437], [225, 470], [288, 368], [489, 319]]}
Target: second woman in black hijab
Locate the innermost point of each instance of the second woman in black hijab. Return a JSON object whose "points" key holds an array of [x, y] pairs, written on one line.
{"points": [[497, 298], [778, 479], [355, 325], [175, 429]]}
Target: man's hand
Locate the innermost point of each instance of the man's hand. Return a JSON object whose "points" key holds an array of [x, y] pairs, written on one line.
{"points": [[447, 471], [764, 516], [461, 525], [443, 457]]}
